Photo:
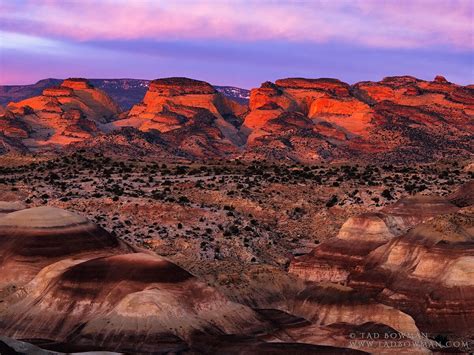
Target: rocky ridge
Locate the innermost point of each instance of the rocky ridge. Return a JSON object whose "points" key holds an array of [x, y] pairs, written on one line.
{"points": [[305, 120], [125, 92], [60, 116], [329, 119], [191, 114]]}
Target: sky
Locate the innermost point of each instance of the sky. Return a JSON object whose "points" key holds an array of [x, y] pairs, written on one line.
{"points": [[240, 42]]}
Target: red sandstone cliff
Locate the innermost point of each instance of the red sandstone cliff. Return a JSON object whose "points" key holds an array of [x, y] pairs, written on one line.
{"points": [[396, 119], [60, 116]]}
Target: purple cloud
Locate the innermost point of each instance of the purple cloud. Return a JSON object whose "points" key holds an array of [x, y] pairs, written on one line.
{"points": [[374, 23], [236, 42]]}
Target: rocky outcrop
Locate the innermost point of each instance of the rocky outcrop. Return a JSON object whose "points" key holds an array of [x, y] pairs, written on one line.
{"points": [[178, 87], [58, 91], [190, 110], [283, 120], [440, 79], [290, 95], [396, 118], [77, 84], [62, 115]]}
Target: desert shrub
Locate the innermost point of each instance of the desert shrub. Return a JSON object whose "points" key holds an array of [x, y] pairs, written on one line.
{"points": [[332, 201], [387, 194]]}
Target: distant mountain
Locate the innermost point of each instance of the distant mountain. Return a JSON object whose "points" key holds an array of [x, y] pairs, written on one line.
{"points": [[126, 92], [242, 96], [15, 93]]}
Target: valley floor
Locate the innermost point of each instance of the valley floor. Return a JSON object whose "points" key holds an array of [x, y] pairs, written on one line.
{"points": [[220, 214]]}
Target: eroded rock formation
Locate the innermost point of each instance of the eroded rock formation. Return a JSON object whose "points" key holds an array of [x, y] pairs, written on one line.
{"points": [[416, 256], [62, 115], [335, 259], [193, 116], [68, 281], [32, 239], [71, 286], [396, 119], [405, 269], [380, 119], [68, 285], [427, 273]]}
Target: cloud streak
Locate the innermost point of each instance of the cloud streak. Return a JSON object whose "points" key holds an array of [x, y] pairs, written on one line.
{"points": [[236, 42], [371, 23]]}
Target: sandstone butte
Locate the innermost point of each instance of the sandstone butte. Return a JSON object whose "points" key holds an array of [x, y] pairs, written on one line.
{"points": [[192, 116], [397, 119], [385, 118], [62, 115]]}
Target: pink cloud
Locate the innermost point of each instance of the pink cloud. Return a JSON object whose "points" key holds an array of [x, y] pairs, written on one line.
{"points": [[374, 23]]}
